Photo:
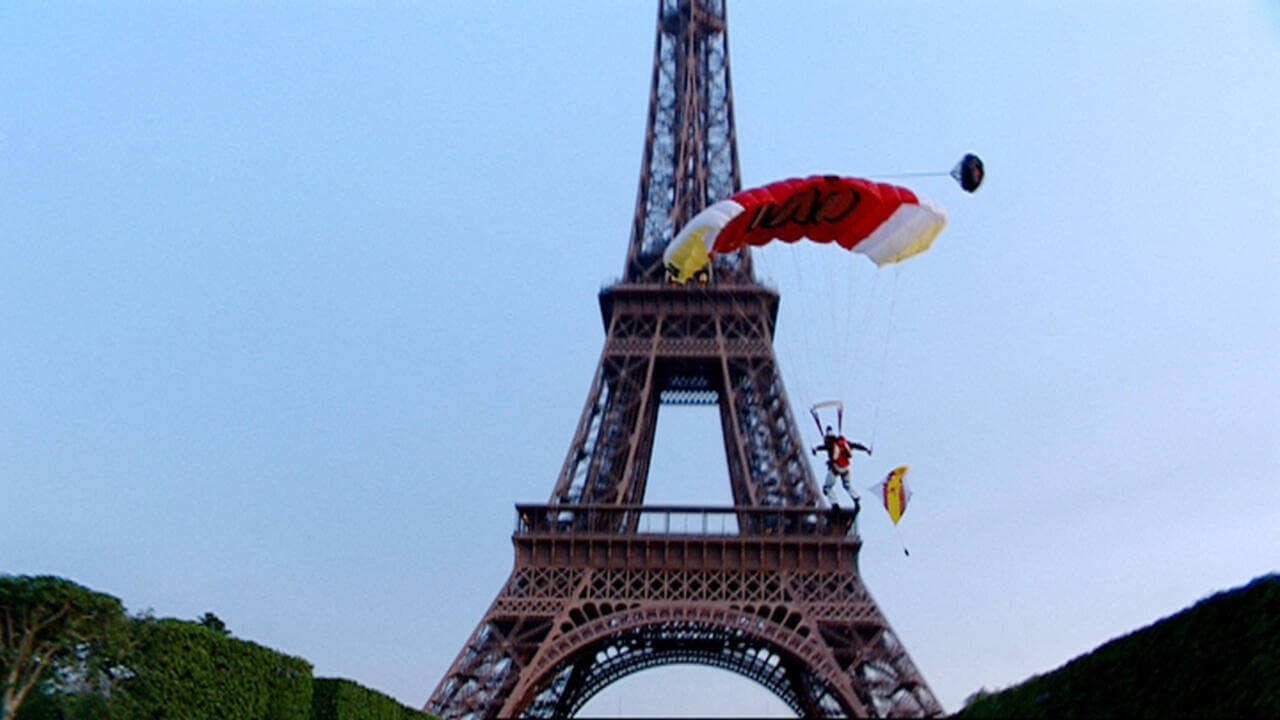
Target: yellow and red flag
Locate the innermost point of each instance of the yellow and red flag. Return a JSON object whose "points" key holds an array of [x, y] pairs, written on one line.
{"points": [[895, 493]]}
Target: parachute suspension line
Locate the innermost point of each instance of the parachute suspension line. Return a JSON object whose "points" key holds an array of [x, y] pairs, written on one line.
{"points": [[901, 542], [804, 369], [859, 314], [844, 270], [796, 367], [835, 359], [798, 372], [837, 310], [847, 279], [884, 359], [909, 175], [765, 268], [861, 355], [832, 339]]}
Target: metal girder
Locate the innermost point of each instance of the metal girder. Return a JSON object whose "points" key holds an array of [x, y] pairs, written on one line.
{"points": [[691, 150], [710, 345]]}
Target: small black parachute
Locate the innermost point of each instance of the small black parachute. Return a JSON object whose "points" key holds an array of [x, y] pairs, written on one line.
{"points": [[968, 172]]}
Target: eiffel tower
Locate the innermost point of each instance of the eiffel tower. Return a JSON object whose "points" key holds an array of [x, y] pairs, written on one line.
{"points": [[604, 585]]}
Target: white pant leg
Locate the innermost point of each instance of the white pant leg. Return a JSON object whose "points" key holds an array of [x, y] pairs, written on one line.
{"points": [[848, 486]]}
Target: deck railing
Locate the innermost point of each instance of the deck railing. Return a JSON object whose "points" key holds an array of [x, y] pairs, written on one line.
{"points": [[677, 520]]}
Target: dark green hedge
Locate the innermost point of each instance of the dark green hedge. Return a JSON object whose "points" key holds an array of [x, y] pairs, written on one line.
{"points": [[185, 671], [113, 667], [47, 704], [335, 699], [1218, 659]]}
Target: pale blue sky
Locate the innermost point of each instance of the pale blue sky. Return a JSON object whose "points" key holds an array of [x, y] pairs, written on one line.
{"points": [[281, 282]]}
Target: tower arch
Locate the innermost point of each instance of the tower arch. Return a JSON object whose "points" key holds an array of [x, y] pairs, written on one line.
{"points": [[784, 660]]}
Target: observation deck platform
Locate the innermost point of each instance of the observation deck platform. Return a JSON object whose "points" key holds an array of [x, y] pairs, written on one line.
{"points": [[685, 537]]}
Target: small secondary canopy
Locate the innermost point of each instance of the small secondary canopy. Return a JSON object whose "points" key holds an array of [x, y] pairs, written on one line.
{"points": [[895, 493]]}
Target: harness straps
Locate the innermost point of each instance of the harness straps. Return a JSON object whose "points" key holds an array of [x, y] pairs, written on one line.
{"points": [[843, 454]]}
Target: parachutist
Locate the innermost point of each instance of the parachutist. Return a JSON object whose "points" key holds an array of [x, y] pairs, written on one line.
{"points": [[839, 451]]}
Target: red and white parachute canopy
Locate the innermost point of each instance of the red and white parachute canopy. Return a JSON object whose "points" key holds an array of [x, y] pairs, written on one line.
{"points": [[887, 223]]}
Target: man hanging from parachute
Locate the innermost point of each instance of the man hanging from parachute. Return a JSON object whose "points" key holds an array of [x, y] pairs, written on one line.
{"points": [[839, 450]]}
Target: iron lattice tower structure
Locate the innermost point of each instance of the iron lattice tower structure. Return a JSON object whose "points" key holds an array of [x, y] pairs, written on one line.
{"points": [[604, 585]]}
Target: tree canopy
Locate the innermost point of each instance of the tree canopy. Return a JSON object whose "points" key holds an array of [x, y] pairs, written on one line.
{"points": [[50, 626]]}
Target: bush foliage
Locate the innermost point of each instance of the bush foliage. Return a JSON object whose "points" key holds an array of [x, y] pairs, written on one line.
{"points": [[187, 671], [104, 665], [1218, 659], [335, 699]]}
